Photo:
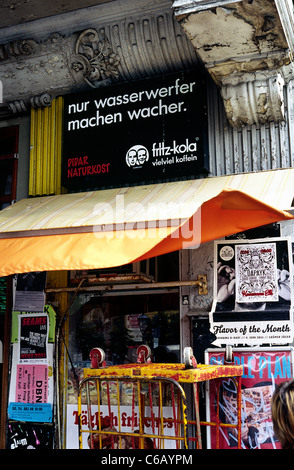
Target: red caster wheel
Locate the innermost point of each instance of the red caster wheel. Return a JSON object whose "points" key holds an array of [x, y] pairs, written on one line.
{"points": [[144, 353], [97, 356]]}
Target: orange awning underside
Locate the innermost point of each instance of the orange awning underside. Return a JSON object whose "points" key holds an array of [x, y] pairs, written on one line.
{"points": [[228, 213], [34, 241]]}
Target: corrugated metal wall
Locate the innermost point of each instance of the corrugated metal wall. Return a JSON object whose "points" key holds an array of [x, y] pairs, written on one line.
{"points": [[250, 148], [45, 150]]}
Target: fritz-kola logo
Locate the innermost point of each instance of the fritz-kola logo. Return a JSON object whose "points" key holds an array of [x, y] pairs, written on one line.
{"points": [[136, 156], [175, 153], [161, 149]]}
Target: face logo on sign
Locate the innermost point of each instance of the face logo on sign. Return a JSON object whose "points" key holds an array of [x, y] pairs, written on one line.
{"points": [[136, 156]]}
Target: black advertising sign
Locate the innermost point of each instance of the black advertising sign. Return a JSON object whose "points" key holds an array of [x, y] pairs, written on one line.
{"points": [[153, 130]]}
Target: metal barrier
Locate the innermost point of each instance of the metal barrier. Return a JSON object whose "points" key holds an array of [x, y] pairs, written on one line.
{"points": [[145, 405]]}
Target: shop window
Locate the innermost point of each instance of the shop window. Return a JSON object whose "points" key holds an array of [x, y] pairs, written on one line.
{"points": [[160, 269], [8, 165], [118, 322]]}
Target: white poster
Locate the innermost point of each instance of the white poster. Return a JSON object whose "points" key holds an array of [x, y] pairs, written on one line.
{"points": [[252, 292], [29, 294], [125, 423], [256, 273]]}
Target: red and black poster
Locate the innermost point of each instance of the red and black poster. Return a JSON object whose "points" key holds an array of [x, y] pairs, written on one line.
{"points": [[33, 337]]}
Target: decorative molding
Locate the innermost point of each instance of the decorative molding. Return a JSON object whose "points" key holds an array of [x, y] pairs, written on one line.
{"points": [[254, 102], [18, 106], [131, 48], [23, 106], [239, 42], [94, 58], [110, 12], [17, 48], [41, 101]]}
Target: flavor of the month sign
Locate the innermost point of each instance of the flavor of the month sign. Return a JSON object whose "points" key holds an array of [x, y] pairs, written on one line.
{"points": [[133, 133], [252, 292], [263, 370]]}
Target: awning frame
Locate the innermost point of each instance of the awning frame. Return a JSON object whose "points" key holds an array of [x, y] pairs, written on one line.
{"points": [[201, 283]]}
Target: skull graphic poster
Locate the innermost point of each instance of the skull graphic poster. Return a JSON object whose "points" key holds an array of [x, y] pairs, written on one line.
{"points": [[256, 273], [252, 302]]}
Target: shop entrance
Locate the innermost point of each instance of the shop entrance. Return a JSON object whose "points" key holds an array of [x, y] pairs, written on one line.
{"points": [[118, 325], [119, 319]]}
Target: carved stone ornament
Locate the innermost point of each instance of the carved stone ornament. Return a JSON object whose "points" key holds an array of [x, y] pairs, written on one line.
{"points": [[94, 58], [41, 101], [254, 102], [22, 106], [18, 106], [17, 48]]}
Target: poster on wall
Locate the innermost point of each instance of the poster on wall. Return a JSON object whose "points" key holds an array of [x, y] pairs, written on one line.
{"points": [[252, 292], [263, 370], [33, 337], [126, 424], [256, 273], [152, 130], [30, 291], [48, 310], [32, 383], [31, 389], [30, 436]]}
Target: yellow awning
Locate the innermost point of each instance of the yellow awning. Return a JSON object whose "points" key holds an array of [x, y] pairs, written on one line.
{"points": [[113, 227]]}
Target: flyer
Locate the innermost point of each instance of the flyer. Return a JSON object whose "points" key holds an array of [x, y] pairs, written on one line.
{"points": [[256, 273], [31, 384], [253, 281], [33, 337], [29, 294]]}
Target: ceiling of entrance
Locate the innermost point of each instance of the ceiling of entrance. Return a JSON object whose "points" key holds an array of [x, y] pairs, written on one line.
{"points": [[13, 12]]}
